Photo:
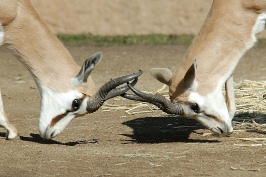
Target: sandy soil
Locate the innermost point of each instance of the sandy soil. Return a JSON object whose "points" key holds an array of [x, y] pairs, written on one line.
{"points": [[115, 143]]}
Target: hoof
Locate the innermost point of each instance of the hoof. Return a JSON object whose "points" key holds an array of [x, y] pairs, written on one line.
{"points": [[12, 136]]}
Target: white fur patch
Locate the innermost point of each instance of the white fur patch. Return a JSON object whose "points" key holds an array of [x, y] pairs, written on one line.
{"points": [[260, 24], [2, 116], [55, 104], [212, 104], [194, 86], [1, 34]]}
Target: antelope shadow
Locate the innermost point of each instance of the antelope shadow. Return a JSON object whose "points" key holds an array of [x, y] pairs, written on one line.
{"points": [[36, 138], [178, 129], [163, 129]]}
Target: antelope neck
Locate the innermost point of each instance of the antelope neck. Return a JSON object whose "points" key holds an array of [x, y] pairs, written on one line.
{"points": [[41, 52]]}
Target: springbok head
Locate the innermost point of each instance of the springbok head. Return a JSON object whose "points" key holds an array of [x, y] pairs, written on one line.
{"points": [[189, 98], [58, 109]]}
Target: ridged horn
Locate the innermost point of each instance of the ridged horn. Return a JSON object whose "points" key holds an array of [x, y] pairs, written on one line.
{"points": [[158, 100], [102, 95], [119, 91]]}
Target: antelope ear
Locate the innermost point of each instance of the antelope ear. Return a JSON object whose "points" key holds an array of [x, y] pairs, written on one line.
{"points": [[190, 75], [163, 75], [87, 67]]}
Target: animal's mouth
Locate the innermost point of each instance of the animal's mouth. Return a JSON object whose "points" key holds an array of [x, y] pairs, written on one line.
{"points": [[215, 124], [217, 130], [50, 133], [222, 131], [55, 133]]}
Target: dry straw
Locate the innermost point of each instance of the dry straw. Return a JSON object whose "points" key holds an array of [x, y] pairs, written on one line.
{"points": [[250, 106], [251, 96]]}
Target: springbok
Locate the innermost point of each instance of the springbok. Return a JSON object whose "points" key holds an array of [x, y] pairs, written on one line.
{"points": [[66, 90], [196, 88]]}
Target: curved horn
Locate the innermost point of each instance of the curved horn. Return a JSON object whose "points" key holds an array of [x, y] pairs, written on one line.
{"points": [[133, 97], [101, 96], [158, 100], [119, 91], [137, 98]]}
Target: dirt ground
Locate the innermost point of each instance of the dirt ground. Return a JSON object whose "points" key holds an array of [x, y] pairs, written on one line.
{"points": [[115, 143]]}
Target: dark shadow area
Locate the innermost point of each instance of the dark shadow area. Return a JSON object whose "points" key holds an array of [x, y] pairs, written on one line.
{"points": [[251, 122], [163, 129], [37, 139], [255, 117], [2, 134]]}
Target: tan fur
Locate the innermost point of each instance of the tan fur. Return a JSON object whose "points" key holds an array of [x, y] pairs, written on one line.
{"points": [[39, 49], [221, 42], [8, 10]]}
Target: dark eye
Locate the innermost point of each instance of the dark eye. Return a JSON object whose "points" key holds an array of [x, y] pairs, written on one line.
{"points": [[195, 107], [76, 104]]}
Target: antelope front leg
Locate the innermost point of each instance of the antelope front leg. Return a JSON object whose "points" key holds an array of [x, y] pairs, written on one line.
{"points": [[4, 122], [230, 96]]}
